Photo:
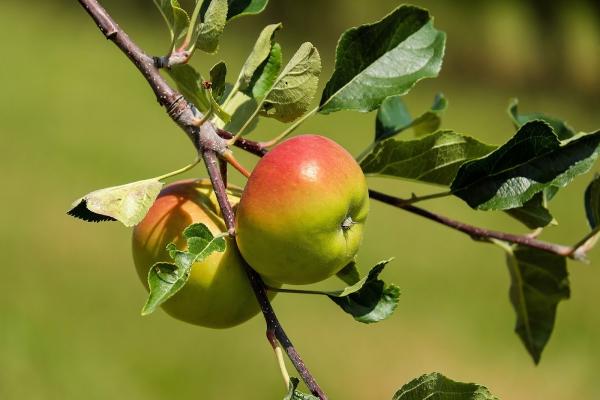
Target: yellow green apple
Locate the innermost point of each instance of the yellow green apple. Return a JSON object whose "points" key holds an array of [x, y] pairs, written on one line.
{"points": [[218, 293]]}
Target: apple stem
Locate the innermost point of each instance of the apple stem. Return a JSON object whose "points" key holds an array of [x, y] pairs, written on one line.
{"points": [[279, 356]]}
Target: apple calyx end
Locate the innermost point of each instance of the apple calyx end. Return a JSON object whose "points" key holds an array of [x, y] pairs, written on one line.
{"points": [[347, 223]]}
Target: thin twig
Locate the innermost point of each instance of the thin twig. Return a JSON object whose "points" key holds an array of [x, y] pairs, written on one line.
{"points": [[474, 231], [249, 145]]}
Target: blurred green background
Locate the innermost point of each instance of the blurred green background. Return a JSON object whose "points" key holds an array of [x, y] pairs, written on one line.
{"points": [[75, 116]]}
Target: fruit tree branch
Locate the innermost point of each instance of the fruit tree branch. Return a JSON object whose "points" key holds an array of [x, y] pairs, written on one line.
{"points": [[475, 232], [179, 109], [210, 144], [273, 325]]}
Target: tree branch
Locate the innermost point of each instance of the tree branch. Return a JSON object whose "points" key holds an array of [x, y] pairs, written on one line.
{"points": [[179, 109], [249, 145], [273, 325], [475, 232], [210, 143]]}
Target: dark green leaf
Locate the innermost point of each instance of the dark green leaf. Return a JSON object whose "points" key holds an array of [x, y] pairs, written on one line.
{"points": [[433, 159], [430, 121], [539, 281], [534, 213], [561, 128], [295, 87], [176, 18], [217, 77], [383, 59], [166, 279], [349, 274], [295, 394], [393, 117], [436, 386], [531, 161], [370, 299], [239, 8], [127, 204], [592, 202]]}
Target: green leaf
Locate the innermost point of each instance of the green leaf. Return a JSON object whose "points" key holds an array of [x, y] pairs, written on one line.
{"points": [[534, 213], [294, 394], [560, 127], [259, 54], [370, 299], [190, 83], [127, 204], [266, 75], [208, 24], [217, 77], [349, 274], [240, 8], [431, 120], [393, 117], [176, 18], [295, 87], [383, 59], [433, 159], [592, 202], [539, 281], [436, 386], [531, 161], [166, 279]]}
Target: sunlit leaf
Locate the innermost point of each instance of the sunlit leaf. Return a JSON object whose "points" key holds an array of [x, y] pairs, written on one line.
{"points": [[295, 87], [433, 159], [259, 54], [208, 24], [436, 386], [383, 59], [166, 279], [176, 18], [127, 203], [534, 159]]}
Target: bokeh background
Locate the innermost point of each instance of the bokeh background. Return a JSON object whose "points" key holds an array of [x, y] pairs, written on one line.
{"points": [[76, 116]]}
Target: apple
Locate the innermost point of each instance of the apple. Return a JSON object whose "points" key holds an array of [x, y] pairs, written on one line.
{"points": [[302, 213], [218, 293]]}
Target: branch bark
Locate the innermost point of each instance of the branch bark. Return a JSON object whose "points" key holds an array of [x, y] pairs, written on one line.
{"points": [[208, 141], [475, 232], [182, 112]]}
